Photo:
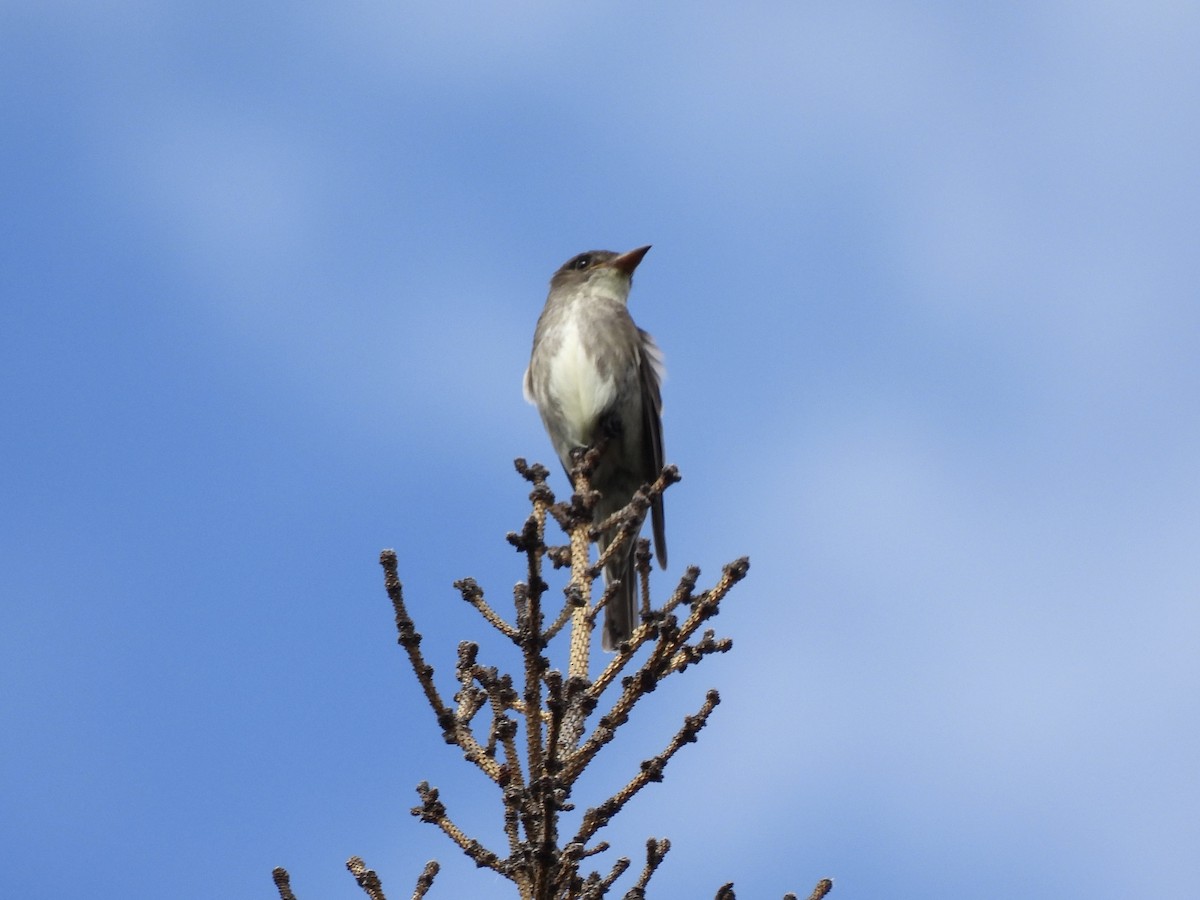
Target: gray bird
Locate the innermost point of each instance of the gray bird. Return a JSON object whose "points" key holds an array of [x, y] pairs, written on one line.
{"points": [[595, 378]]}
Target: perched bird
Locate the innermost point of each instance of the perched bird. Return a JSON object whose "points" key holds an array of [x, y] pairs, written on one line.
{"points": [[595, 378]]}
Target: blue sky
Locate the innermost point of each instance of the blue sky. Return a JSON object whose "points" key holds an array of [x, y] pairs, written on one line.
{"points": [[926, 281]]}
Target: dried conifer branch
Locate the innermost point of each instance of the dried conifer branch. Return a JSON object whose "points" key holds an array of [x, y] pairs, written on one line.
{"points": [[623, 657], [824, 886], [581, 578], [476, 753], [692, 653], [642, 557], [470, 701], [651, 770], [432, 810], [656, 851], [502, 698], [473, 594], [556, 704], [619, 868], [627, 521], [617, 664], [657, 667], [553, 708], [535, 667], [708, 602], [282, 883], [559, 554], [574, 599], [610, 590], [542, 499], [480, 686], [684, 592], [410, 640], [513, 796], [366, 878], [665, 657], [425, 879]]}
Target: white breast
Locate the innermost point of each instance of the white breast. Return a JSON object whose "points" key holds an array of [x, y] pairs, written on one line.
{"points": [[576, 387]]}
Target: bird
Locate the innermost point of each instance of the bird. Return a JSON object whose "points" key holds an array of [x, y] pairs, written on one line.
{"points": [[596, 380]]}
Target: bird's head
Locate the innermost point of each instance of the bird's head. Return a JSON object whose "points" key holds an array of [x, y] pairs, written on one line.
{"points": [[601, 271]]}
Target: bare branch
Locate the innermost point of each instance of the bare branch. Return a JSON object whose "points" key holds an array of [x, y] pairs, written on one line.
{"points": [[473, 594], [366, 878], [410, 640], [432, 810], [651, 771], [282, 883], [538, 774], [425, 879]]}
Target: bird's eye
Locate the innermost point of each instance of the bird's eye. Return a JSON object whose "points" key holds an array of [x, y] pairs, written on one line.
{"points": [[582, 262]]}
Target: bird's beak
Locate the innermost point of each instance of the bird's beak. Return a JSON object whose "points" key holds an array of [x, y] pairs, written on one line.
{"points": [[627, 262]]}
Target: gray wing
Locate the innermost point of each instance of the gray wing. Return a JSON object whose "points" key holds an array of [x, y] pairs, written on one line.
{"points": [[650, 373]]}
